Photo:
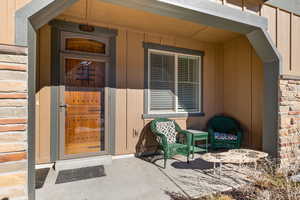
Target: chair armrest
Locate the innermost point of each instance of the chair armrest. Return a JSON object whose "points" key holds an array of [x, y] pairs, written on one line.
{"points": [[188, 136], [211, 134], [239, 133], [240, 137], [163, 140], [210, 131]]}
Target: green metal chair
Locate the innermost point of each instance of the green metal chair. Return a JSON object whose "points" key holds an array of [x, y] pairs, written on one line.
{"points": [[224, 132], [167, 133]]}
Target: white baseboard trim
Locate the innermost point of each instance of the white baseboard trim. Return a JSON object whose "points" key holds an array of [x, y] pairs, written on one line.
{"points": [[123, 156]]}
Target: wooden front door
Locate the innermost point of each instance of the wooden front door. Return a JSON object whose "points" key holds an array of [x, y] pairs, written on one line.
{"points": [[82, 105]]}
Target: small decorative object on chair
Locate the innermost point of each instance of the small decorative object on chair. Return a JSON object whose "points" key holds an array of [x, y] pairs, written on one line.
{"points": [[224, 132], [167, 133]]}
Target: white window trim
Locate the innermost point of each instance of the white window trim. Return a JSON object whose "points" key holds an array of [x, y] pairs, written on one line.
{"points": [[176, 55]]}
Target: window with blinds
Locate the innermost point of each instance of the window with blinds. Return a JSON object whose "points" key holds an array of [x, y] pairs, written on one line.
{"points": [[174, 82]]}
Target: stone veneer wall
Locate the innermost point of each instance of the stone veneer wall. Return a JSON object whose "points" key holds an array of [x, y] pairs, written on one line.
{"points": [[13, 122], [289, 121]]}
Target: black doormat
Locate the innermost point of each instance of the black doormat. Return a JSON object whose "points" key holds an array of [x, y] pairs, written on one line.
{"points": [[40, 177], [72, 175]]}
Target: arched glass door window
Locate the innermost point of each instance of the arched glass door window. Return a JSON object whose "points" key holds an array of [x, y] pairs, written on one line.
{"points": [[77, 43], [85, 45]]}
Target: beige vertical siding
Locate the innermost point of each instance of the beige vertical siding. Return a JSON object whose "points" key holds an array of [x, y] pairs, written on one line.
{"points": [[121, 93], [284, 39], [228, 84], [271, 14], [252, 6], [135, 86], [7, 19], [284, 28], [243, 86], [232, 74], [43, 97], [132, 132], [295, 42], [257, 87]]}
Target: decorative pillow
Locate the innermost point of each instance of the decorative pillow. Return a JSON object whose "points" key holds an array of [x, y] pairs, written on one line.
{"points": [[168, 129], [224, 136]]}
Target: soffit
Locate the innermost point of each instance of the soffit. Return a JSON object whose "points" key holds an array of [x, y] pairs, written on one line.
{"points": [[94, 11]]}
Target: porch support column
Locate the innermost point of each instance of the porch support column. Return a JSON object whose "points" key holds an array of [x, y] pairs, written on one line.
{"points": [[32, 41], [29, 19]]}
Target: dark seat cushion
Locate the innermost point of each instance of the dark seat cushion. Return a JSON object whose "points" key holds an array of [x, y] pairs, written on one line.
{"points": [[225, 136]]}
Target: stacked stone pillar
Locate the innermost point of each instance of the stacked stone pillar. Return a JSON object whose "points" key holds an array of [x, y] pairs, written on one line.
{"points": [[289, 121], [13, 122]]}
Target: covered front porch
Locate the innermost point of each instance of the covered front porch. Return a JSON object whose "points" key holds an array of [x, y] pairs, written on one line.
{"points": [[229, 78], [134, 178], [236, 74]]}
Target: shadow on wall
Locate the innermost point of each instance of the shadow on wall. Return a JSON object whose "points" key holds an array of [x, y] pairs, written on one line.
{"points": [[147, 142]]}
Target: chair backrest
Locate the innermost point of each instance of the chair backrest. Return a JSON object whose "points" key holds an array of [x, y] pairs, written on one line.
{"points": [[167, 127], [223, 124]]}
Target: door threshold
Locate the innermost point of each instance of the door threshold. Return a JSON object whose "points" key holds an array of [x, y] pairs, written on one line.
{"points": [[82, 162], [42, 166], [123, 156]]}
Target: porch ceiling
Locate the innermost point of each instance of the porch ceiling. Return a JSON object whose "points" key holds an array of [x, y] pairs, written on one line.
{"points": [[98, 12]]}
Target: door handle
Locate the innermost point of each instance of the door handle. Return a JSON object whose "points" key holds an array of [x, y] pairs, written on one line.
{"points": [[63, 106]]}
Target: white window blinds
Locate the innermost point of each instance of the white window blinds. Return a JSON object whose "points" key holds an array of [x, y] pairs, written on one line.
{"points": [[174, 82], [162, 82]]}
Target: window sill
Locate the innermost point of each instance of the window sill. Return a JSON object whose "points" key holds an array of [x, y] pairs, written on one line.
{"points": [[172, 115]]}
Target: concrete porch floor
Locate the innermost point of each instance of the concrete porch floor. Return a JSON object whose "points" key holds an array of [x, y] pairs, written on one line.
{"points": [[137, 179]]}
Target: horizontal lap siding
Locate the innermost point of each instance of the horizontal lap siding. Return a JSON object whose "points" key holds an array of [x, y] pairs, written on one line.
{"points": [[13, 123]]}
